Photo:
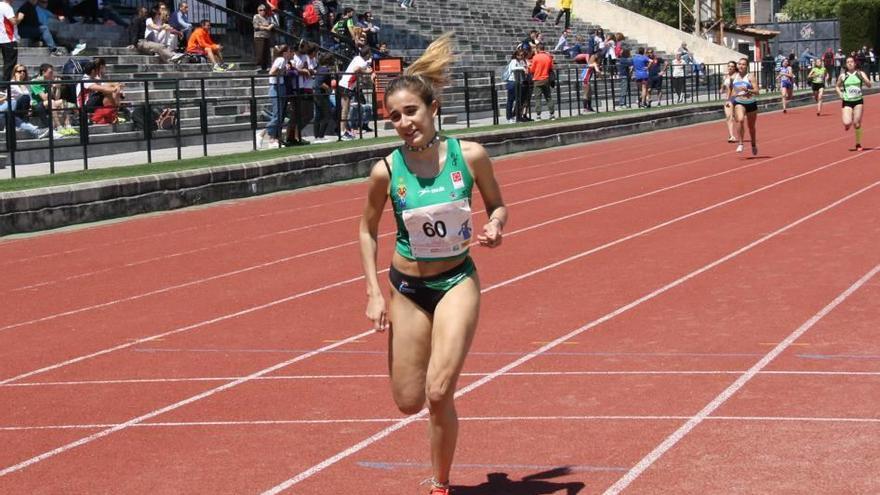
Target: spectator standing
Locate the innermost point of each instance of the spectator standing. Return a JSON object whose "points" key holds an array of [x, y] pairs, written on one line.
{"points": [[656, 70], [610, 49], [828, 60], [311, 17], [807, 57], [678, 78], [348, 86], [564, 9], [322, 86], [640, 74], [302, 76], [872, 60], [344, 27], [513, 76], [624, 74], [541, 70], [277, 97], [263, 26], [201, 43], [839, 59], [539, 12], [9, 37], [180, 21]]}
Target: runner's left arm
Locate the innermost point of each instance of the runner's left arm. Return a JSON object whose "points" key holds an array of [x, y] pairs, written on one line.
{"points": [[484, 176]]}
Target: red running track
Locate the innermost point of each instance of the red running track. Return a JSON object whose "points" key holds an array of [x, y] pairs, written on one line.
{"points": [[665, 316]]}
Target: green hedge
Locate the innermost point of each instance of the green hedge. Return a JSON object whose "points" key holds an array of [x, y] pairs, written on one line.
{"points": [[859, 20]]}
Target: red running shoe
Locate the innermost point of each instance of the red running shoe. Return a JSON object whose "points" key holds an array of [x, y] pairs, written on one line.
{"points": [[438, 488]]}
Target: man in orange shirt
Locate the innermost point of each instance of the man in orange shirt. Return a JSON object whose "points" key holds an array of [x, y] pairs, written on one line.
{"points": [[201, 43], [541, 69]]}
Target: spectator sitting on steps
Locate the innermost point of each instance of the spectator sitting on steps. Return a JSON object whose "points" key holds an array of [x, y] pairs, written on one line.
{"points": [[158, 29], [201, 44], [31, 28], [136, 31], [180, 21]]}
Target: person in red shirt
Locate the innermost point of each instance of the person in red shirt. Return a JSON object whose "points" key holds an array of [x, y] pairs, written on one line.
{"points": [[541, 71], [201, 43]]}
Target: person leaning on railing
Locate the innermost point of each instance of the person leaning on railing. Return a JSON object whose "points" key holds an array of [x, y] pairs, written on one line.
{"points": [[360, 64], [322, 88]]}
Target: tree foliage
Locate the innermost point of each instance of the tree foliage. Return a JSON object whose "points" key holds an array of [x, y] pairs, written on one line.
{"points": [[664, 11], [802, 10], [859, 20]]}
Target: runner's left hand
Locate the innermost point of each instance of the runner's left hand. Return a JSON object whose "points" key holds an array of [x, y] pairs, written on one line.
{"points": [[491, 236]]}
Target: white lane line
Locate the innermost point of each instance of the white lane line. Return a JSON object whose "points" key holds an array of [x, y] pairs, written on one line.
{"points": [[176, 405], [484, 290], [348, 218], [267, 235], [317, 468], [473, 419], [351, 243], [721, 398], [402, 423], [383, 376], [284, 211]]}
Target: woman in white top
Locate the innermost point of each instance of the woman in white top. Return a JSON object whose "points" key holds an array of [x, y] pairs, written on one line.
{"points": [[158, 29], [277, 96], [678, 80], [728, 101], [513, 73]]}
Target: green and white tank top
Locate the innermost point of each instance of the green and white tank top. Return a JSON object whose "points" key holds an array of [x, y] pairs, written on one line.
{"points": [[852, 87], [818, 75], [433, 214]]}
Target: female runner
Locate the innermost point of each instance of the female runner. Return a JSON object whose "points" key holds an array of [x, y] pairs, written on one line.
{"points": [[728, 102], [435, 295], [849, 88], [786, 82], [818, 76], [743, 90]]}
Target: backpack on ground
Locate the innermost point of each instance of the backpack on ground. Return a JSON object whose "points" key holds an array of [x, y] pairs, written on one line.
{"points": [[310, 15], [159, 119]]}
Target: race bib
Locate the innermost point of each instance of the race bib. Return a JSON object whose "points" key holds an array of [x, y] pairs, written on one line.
{"points": [[854, 92], [439, 231]]}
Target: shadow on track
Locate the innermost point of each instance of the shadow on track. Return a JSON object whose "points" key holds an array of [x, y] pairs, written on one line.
{"points": [[533, 484]]}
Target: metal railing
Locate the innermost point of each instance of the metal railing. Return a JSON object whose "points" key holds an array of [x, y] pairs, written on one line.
{"points": [[203, 119]]}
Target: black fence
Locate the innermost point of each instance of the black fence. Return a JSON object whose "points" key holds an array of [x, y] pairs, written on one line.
{"points": [[182, 113]]}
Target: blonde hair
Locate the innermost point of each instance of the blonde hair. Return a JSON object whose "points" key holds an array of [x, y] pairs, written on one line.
{"points": [[427, 76]]}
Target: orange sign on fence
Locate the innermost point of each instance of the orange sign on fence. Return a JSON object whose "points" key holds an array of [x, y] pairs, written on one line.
{"points": [[385, 69]]}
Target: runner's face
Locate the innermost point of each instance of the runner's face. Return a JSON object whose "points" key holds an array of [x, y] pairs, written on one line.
{"points": [[731, 68], [412, 118], [850, 64], [742, 66]]}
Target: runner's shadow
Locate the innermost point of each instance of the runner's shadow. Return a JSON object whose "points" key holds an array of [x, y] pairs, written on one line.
{"points": [[533, 484]]}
